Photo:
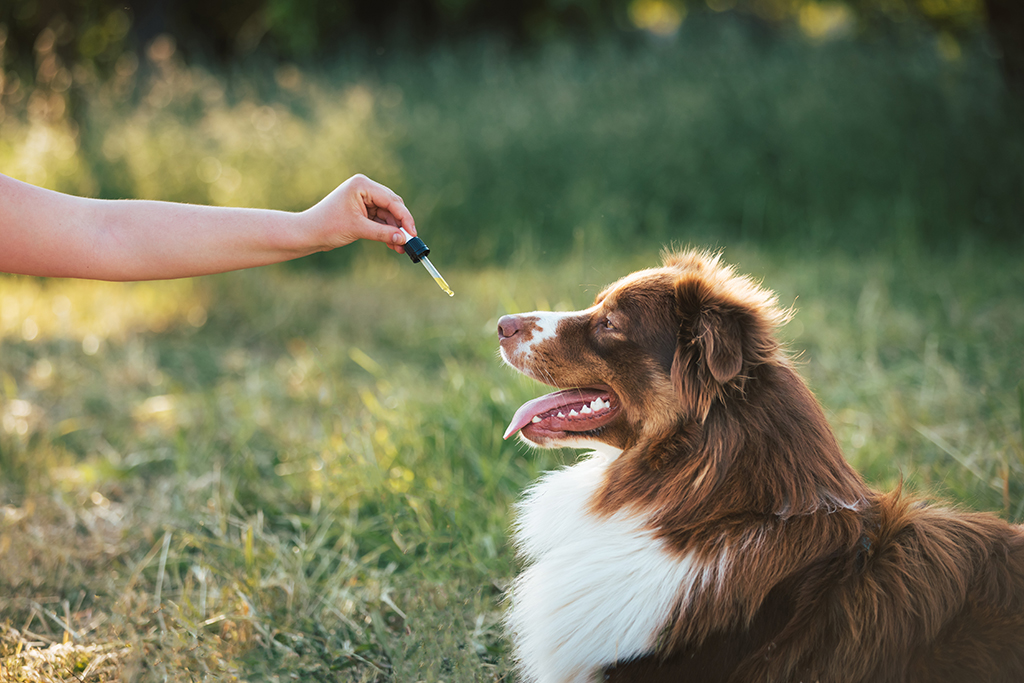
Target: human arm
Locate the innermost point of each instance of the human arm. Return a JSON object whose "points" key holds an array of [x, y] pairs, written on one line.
{"points": [[48, 233]]}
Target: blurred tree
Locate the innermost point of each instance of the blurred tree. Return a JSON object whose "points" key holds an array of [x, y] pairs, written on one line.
{"points": [[93, 32], [96, 32], [954, 16], [1006, 24]]}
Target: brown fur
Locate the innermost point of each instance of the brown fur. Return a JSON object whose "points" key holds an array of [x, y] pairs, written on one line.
{"points": [[726, 447]]}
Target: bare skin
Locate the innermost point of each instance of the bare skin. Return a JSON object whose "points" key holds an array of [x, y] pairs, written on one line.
{"points": [[51, 234]]}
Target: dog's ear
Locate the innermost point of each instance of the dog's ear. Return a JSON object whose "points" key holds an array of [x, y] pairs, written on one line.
{"points": [[726, 330], [709, 348], [720, 337]]}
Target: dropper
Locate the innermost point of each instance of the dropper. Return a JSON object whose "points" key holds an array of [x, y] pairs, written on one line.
{"points": [[418, 251]]}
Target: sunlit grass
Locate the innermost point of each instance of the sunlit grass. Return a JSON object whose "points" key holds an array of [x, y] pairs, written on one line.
{"points": [[312, 481], [92, 312]]}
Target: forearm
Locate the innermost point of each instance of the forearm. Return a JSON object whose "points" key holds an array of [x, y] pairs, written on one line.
{"points": [[146, 240], [53, 234]]}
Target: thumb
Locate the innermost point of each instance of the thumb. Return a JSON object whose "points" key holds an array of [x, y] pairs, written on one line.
{"points": [[381, 232]]}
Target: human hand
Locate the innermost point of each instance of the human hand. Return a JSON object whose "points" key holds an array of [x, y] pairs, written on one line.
{"points": [[360, 208]]}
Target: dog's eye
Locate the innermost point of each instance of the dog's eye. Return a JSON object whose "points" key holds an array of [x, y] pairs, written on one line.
{"points": [[608, 323]]}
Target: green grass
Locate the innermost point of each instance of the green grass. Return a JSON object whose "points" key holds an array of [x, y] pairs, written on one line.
{"points": [[298, 471], [320, 488]]}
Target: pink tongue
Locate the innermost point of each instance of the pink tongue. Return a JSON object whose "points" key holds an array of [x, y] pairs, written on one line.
{"points": [[543, 404]]}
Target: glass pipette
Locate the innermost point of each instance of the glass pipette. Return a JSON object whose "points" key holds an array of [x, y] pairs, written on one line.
{"points": [[418, 251]]}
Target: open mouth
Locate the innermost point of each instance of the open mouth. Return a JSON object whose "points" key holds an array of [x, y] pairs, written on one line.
{"points": [[569, 411]]}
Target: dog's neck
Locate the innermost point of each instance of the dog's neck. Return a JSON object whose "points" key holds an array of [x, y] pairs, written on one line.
{"points": [[767, 452], [763, 471]]}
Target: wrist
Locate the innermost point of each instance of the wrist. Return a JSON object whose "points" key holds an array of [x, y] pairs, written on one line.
{"points": [[302, 233]]}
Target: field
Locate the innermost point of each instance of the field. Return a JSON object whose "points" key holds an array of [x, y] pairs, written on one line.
{"points": [[297, 472]]}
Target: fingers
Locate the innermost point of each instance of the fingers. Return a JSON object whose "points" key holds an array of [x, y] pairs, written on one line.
{"points": [[382, 202], [361, 208], [384, 216], [383, 232]]}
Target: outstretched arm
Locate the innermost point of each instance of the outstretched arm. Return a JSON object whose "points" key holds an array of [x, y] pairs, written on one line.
{"points": [[48, 233]]}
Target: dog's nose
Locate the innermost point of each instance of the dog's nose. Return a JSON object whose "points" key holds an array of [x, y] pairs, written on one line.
{"points": [[509, 326]]}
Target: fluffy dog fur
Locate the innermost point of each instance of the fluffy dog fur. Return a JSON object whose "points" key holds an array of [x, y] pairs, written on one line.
{"points": [[717, 533]]}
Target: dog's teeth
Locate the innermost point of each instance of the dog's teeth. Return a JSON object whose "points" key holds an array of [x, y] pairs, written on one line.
{"points": [[597, 404], [586, 410], [573, 413], [536, 419], [560, 414]]}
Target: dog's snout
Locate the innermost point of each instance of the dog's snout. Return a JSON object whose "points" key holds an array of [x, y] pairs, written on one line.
{"points": [[509, 326]]}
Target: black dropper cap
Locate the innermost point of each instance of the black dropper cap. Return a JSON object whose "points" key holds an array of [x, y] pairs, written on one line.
{"points": [[416, 249]]}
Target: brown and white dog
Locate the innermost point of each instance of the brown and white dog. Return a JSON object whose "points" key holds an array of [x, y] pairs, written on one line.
{"points": [[716, 533]]}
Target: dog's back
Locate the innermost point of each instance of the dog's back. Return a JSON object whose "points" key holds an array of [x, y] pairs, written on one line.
{"points": [[927, 595]]}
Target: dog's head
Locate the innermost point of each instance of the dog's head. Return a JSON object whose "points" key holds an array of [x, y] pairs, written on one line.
{"points": [[659, 347]]}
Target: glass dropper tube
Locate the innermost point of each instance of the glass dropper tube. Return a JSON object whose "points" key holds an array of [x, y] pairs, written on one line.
{"points": [[417, 252]]}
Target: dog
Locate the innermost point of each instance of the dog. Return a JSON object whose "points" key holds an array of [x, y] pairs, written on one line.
{"points": [[716, 533]]}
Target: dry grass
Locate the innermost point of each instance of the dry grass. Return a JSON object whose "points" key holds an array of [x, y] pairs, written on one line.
{"points": [[33, 659]]}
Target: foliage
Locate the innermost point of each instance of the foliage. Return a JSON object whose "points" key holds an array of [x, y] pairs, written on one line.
{"points": [[838, 144], [96, 31]]}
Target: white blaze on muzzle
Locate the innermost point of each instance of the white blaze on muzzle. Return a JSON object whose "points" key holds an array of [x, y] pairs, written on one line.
{"points": [[561, 413]]}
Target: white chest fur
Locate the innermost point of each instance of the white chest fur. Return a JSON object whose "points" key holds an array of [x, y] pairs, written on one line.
{"points": [[595, 590]]}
